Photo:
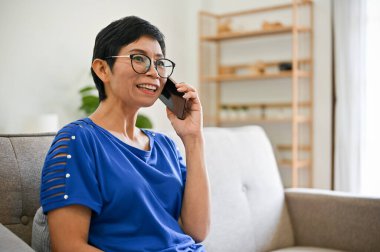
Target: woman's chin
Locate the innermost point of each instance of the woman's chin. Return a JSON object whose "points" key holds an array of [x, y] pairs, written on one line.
{"points": [[148, 104]]}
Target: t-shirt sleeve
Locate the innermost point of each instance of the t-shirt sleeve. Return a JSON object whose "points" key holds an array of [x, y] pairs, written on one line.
{"points": [[69, 174], [182, 165], [179, 157]]}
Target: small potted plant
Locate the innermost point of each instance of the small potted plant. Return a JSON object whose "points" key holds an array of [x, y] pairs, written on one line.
{"points": [[90, 102]]}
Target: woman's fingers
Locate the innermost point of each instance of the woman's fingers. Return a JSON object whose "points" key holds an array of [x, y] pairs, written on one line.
{"points": [[190, 94], [190, 91], [183, 87]]}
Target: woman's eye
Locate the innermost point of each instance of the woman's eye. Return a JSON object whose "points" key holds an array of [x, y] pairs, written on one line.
{"points": [[138, 58], [160, 63]]}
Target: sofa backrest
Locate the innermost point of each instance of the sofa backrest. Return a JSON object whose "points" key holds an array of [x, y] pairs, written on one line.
{"points": [[248, 204], [21, 160]]}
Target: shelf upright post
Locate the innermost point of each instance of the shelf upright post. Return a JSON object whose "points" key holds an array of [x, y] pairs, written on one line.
{"points": [[311, 93], [200, 55], [295, 114], [218, 81]]}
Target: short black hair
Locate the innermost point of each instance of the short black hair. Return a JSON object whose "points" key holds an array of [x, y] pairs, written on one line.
{"points": [[118, 34]]}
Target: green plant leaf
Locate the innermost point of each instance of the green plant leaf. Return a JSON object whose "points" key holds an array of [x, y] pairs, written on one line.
{"points": [[143, 122], [86, 89], [89, 103]]}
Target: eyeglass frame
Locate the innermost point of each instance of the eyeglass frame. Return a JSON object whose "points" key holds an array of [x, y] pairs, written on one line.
{"points": [[130, 56]]}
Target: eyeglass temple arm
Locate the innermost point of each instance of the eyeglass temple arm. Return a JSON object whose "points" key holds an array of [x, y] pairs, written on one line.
{"points": [[120, 56]]}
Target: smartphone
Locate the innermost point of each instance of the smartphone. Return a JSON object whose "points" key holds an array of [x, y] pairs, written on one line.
{"points": [[173, 99]]}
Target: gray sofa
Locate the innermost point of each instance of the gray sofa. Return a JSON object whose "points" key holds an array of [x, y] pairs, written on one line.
{"points": [[250, 209]]}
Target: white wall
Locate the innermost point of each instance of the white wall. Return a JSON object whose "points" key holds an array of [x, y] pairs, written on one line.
{"points": [[322, 78], [46, 50], [322, 94]]}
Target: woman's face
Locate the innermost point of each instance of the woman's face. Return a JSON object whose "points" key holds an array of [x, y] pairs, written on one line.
{"points": [[132, 89]]}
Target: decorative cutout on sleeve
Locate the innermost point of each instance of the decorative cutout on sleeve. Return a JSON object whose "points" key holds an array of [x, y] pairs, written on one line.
{"points": [[56, 172]]}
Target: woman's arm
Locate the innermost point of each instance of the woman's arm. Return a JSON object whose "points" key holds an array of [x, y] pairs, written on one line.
{"points": [[195, 214], [68, 227]]}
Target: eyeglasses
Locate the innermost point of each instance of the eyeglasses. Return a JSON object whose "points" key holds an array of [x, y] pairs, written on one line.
{"points": [[141, 64]]}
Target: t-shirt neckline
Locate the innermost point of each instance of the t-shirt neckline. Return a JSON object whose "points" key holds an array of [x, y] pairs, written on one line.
{"points": [[136, 150]]}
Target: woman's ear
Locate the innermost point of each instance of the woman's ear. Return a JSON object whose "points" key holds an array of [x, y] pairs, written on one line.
{"points": [[101, 69]]}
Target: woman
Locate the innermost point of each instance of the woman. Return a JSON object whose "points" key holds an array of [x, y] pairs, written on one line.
{"points": [[109, 186]]}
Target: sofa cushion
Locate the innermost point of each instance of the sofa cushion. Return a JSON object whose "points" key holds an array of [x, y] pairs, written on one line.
{"points": [[248, 205], [21, 159], [306, 249], [10, 186], [10, 242]]}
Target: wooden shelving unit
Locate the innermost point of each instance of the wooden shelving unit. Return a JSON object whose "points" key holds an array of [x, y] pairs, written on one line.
{"points": [[297, 71]]}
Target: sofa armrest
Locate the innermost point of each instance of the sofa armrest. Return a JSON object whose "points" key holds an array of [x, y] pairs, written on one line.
{"points": [[334, 220], [11, 242]]}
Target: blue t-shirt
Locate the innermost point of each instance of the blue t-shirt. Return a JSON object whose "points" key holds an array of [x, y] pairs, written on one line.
{"points": [[135, 195]]}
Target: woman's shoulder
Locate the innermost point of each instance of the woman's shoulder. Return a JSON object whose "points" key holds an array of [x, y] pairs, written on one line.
{"points": [[81, 128]]}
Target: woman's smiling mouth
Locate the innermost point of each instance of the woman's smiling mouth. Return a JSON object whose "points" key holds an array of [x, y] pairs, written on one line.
{"points": [[148, 88]]}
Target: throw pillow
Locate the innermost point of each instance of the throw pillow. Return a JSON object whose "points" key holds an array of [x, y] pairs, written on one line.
{"points": [[40, 232]]}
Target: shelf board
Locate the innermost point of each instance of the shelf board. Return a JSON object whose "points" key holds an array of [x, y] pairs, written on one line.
{"points": [[234, 77], [268, 63], [257, 10], [288, 147], [287, 163], [253, 120], [302, 104], [249, 34]]}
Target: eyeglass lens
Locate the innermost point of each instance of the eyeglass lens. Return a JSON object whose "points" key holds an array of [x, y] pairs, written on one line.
{"points": [[141, 64]]}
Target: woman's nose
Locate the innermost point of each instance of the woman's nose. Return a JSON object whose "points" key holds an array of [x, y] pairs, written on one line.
{"points": [[152, 71]]}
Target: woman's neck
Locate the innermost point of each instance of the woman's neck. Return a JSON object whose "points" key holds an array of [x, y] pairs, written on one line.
{"points": [[116, 119]]}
